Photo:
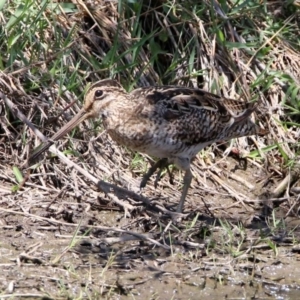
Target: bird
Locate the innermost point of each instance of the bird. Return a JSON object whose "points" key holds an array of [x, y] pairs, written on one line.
{"points": [[171, 123]]}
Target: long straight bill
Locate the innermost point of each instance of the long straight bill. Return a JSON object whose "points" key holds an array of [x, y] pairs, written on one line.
{"points": [[81, 116]]}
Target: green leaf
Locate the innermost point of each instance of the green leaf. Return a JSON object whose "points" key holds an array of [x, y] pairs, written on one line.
{"points": [[16, 16], [232, 45], [163, 35], [18, 174], [192, 59], [13, 39], [256, 153], [2, 2], [66, 7], [282, 152], [220, 36], [15, 188]]}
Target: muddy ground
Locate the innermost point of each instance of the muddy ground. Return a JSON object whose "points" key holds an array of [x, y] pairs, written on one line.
{"points": [[61, 237]]}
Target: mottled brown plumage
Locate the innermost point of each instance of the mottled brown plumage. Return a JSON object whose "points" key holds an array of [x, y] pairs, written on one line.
{"points": [[167, 122]]}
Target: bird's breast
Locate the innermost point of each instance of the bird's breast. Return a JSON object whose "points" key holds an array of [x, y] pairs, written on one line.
{"points": [[156, 141]]}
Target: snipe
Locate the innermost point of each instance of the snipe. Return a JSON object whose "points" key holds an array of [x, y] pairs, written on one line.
{"points": [[169, 122]]}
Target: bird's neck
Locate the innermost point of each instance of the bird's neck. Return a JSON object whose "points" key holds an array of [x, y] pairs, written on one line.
{"points": [[117, 114]]}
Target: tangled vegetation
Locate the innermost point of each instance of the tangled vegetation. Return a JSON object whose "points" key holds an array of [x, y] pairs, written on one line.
{"points": [[92, 233]]}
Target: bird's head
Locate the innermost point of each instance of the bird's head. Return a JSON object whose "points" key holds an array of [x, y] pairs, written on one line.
{"points": [[97, 98]]}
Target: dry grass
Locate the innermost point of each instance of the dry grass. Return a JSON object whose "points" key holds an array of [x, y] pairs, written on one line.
{"points": [[240, 218]]}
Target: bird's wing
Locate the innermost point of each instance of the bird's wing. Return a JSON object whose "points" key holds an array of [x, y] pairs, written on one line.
{"points": [[172, 102], [200, 113]]}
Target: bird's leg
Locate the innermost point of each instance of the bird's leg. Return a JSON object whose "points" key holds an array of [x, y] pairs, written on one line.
{"points": [[160, 164], [184, 164], [170, 174], [186, 184], [164, 164]]}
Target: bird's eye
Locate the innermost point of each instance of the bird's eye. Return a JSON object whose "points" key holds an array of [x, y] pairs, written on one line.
{"points": [[98, 93]]}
